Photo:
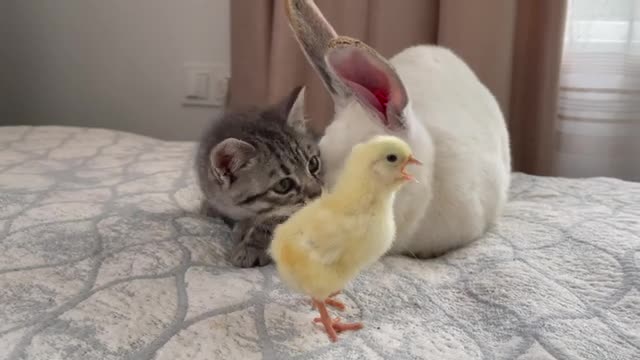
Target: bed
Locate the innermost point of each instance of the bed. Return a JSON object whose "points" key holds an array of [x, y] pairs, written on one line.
{"points": [[103, 255]]}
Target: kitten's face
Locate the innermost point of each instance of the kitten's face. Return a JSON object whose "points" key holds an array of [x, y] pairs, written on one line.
{"points": [[261, 162], [287, 173]]}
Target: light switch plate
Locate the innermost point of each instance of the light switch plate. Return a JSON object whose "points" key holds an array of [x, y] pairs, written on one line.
{"points": [[205, 84]]}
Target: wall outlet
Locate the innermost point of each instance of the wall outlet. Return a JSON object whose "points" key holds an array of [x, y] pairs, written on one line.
{"points": [[205, 84]]}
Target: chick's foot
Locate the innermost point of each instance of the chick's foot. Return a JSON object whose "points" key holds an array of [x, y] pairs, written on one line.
{"points": [[339, 326], [332, 326]]}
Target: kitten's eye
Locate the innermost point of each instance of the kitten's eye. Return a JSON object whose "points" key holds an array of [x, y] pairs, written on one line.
{"points": [[314, 165], [284, 186], [392, 158]]}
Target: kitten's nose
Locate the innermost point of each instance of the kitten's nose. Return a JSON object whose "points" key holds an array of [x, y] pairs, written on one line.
{"points": [[314, 191]]}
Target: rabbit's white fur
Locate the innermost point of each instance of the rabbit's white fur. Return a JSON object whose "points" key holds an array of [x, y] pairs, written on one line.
{"points": [[455, 127]]}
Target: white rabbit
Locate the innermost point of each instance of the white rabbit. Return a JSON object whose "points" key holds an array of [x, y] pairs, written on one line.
{"points": [[429, 97]]}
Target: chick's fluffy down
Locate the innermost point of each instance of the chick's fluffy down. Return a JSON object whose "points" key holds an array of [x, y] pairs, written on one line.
{"points": [[319, 250]]}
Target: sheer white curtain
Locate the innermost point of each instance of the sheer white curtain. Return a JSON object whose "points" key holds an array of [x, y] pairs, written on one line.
{"points": [[599, 104]]}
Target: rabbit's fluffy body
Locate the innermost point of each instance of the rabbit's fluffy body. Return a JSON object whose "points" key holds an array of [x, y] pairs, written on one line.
{"points": [[457, 130]]}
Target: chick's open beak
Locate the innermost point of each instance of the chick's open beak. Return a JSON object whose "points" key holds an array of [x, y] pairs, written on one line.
{"points": [[403, 171]]}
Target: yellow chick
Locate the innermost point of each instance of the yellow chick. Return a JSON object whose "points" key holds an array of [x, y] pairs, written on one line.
{"points": [[326, 244]]}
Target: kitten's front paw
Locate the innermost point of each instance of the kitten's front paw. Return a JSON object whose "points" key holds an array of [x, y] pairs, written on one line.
{"points": [[246, 256]]}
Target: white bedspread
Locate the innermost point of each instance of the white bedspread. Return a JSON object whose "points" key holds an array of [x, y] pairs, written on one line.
{"points": [[103, 257]]}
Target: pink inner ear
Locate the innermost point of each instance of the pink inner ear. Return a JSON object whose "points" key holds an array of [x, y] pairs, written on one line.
{"points": [[368, 80], [223, 162], [383, 98]]}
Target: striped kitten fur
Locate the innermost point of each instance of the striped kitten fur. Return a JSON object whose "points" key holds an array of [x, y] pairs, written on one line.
{"points": [[255, 168]]}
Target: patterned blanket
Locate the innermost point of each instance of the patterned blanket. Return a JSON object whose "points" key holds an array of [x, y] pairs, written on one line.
{"points": [[102, 256]]}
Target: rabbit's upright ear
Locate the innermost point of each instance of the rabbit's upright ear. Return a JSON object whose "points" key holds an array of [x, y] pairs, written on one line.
{"points": [[371, 78], [314, 33], [348, 67]]}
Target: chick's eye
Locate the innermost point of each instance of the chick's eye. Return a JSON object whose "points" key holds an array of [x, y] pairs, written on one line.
{"points": [[392, 158], [314, 165], [284, 186]]}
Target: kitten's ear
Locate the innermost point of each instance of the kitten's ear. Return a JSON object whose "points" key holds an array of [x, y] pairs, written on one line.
{"points": [[292, 108], [296, 117], [229, 156]]}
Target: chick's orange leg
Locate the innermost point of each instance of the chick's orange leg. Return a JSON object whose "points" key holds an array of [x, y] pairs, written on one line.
{"points": [[333, 302], [326, 320]]}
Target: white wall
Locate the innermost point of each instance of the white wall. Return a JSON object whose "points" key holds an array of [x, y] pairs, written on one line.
{"points": [[115, 64]]}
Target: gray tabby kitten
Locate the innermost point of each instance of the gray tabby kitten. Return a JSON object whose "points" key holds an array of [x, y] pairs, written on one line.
{"points": [[255, 169]]}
